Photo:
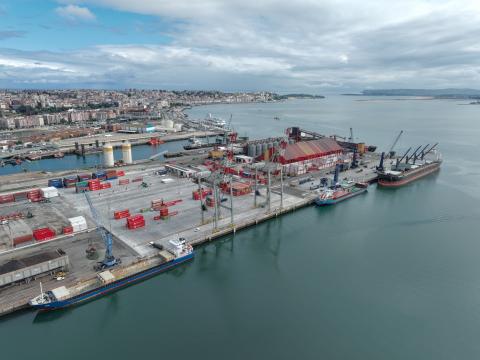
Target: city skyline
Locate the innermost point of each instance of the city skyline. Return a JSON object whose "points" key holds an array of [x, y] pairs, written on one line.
{"points": [[302, 46]]}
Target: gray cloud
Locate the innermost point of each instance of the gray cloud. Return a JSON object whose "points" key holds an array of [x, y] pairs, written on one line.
{"points": [[8, 34], [340, 45]]}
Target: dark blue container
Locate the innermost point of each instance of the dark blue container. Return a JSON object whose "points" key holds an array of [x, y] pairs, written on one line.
{"points": [[58, 183]]}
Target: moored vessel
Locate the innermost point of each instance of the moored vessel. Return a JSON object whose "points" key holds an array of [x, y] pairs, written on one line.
{"points": [[409, 168], [111, 280], [332, 196]]}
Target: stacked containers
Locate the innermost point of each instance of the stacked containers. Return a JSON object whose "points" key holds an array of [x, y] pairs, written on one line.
{"points": [[6, 198], [105, 185], [112, 174], [21, 196], [43, 234], [81, 186], [58, 183], [49, 192], [135, 222], [201, 195], [94, 184], [101, 175], [123, 181], [120, 173], [70, 181], [210, 201], [120, 214], [78, 223], [157, 204], [164, 212], [84, 177], [137, 179], [34, 195]]}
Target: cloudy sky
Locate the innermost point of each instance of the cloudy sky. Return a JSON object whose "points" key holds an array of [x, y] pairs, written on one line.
{"points": [[315, 46]]}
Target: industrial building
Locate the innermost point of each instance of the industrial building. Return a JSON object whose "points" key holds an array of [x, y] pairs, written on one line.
{"points": [[302, 156]]}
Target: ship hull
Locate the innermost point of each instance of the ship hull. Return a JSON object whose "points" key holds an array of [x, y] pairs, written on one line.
{"points": [[112, 287], [398, 181], [333, 201]]}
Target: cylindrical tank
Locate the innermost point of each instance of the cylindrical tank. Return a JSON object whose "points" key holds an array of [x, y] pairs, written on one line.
{"points": [[275, 145], [178, 127], [264, 147], [169, 124], [127, 153], [251, 150], [258, 149], [108, 159]]}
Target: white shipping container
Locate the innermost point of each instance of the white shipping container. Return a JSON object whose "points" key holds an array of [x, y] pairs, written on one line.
{"points": [[49, 192]]}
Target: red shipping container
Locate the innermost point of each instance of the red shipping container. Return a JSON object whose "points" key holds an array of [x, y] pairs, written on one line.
{"points": [[68, 229], [105, 186], [138, 179], [121, 214], [164, 211], [43, 234], [120, 173], [123, 182], [6, 198], [22, 239]]}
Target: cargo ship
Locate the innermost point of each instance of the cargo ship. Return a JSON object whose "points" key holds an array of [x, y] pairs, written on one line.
{"points": [[196, 144], [114, 279], [409, 168], [340, 193]]}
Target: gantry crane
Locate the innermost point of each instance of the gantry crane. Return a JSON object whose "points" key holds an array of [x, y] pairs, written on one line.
{"points": [[109, 260]]}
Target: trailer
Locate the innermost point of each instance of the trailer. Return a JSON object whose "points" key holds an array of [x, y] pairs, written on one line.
{"points": [[23, 270]]}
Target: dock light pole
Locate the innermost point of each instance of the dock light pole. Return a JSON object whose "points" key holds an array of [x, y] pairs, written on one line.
{"points": [[231, 200], [281, 187], [215, 206], [269, 191], [255, 194], [201, 199]]}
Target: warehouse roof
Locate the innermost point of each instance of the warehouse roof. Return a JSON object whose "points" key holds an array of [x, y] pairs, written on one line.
{"points": [[304, 150]]}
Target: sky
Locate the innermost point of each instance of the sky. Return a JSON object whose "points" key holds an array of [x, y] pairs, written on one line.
{"points": [[312, 46]]}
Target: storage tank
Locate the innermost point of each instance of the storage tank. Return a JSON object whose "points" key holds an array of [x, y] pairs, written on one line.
{"points": [[258, 149], [127, 153], [108, 159], [251, 150], [178, 127], [264, 147], [275, 145]]}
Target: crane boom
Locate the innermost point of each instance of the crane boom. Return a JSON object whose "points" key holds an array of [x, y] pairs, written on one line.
{"points": [[391, 152], [109, 259]]}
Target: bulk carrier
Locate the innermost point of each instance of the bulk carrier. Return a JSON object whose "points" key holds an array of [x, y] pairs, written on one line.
{"points": [[112, 280], [408, 168]]}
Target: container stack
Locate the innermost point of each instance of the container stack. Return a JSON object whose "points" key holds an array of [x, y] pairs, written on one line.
{"points": [[197, 195], [49, 192], [34, 195], [120, 173], [210, 202], [70, 181], [135, 222], [105, 185], [94, 184], [81, 186], [101, 175], [58, 183], [138, 179], [43, 234], [6, 198], [21, 196], [84, 177], [123, 181], [112, 175], [121, 214], [78, 223], [21, 239]]}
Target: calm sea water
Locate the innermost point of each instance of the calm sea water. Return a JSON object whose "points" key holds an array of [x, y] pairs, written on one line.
{"points": [[390, 275]]}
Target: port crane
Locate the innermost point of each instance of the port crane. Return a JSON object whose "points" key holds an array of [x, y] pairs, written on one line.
{"points": [[109, 260], [391, 152]]}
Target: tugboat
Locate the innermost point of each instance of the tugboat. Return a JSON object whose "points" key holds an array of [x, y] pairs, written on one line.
{"points": [[408, 168], [108, 281]]}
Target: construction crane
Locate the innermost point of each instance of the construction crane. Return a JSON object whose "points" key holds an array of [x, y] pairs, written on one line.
{"points": [[391, 153], [109, 259]]}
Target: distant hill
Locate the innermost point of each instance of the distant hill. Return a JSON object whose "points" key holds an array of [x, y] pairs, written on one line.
{"points": [[437, 93], [299, 96]]}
